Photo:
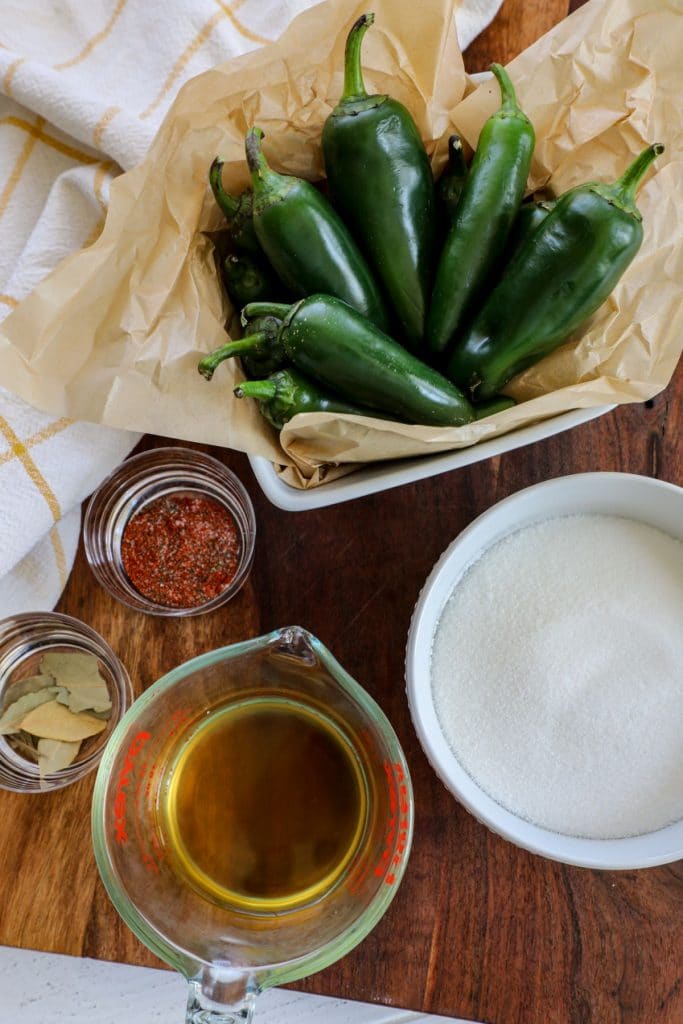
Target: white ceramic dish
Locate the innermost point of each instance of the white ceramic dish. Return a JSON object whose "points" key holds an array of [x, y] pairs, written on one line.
{"points": [[384, 475], [635, 497]]}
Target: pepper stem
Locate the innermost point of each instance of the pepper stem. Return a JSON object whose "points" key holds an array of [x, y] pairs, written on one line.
{"points": [[208, 365], [507, 90], [628, 183], [256, 161], [227, 203], [254, 309], [354, 86], [263, 390]]}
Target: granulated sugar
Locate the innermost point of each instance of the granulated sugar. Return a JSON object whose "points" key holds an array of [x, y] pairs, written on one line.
{"points": [[557, 673]]}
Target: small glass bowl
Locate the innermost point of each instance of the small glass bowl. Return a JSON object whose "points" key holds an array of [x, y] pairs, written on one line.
{"points": [[141, 480], [24, 639]]}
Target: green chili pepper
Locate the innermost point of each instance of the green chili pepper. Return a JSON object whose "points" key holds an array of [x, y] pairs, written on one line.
{"points": [[562, 274], [530, 215], [339, 348], [288, 392], [305, 240], [451, 183], [238, 211], [247, 279], [267, 355], [381, 181], [259, 350], [499, 403], [488, 205]]}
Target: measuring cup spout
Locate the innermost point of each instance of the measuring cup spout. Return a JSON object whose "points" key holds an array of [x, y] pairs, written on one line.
{"points": [[220, 995], [295, 642]]}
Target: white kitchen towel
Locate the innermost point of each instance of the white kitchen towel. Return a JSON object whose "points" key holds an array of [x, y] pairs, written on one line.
{"points": [[83, 89]]}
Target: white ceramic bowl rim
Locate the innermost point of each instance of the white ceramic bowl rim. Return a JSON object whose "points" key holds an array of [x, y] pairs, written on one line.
{"points": [[642, 498], [374, 477]]}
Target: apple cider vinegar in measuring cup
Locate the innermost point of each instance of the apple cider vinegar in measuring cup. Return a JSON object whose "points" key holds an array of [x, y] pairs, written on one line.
{"points": [[252, 818], [266, 805]]}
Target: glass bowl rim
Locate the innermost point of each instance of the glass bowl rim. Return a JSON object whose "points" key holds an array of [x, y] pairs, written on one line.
{"points": [[117, 670], [169, 457]]}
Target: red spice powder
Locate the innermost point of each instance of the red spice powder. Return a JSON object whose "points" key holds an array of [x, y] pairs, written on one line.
{"points": [[181, 550]]}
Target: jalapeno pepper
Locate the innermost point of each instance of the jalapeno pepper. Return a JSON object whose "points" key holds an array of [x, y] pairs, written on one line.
{"points": [[381, 181], [564, 271], [339, 348], [488, 205], [451, 183], [238, 211], [530, 215], [499, 403], [259, 350], [247, 279], [288, 392], [306, 241]]}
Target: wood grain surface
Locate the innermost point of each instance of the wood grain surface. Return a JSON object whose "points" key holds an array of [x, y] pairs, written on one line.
{"points": [[479, 929]]}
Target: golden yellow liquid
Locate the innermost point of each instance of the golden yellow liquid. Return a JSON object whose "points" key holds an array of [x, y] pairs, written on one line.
{"points": [[265, 806]]}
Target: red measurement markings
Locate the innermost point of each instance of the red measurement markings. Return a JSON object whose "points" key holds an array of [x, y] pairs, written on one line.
{"points": [[178, 719], [398, 825], [355, 884], [151, 850], [150, 859], [120, 800]]}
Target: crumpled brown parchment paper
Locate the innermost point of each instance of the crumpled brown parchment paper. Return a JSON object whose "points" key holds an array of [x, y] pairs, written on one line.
{"points": [[114, 334]]}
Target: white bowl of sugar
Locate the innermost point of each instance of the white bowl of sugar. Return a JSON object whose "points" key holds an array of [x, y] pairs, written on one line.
{"points": [[544, 670]]}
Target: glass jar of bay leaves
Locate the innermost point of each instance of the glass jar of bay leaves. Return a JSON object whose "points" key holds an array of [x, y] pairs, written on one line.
{"points": [[58, 673]]}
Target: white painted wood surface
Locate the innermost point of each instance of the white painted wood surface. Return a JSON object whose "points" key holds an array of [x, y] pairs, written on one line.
{"points": [[46, 988]]}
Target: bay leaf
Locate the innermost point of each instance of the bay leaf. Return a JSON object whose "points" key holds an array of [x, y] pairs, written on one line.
{"points": [[31, 684], [27, 739], [79, 674], [93, 697], [55, 722], [25, 744], [53, 755], [13, 717]]}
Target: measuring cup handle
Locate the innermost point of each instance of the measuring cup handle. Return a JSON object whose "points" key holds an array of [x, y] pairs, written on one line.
{"points": [[203, 1008]]}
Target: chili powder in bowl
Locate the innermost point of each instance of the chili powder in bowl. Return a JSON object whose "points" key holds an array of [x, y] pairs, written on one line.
{"points": [[170, 532]]}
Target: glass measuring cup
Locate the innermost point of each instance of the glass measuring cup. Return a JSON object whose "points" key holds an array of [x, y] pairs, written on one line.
{"points": [[233, 939]]}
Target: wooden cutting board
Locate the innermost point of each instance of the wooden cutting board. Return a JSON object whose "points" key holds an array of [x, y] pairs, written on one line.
{"points": [[479, 929]]}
